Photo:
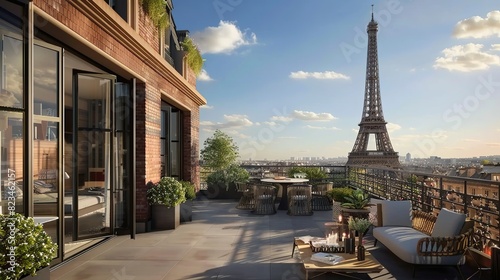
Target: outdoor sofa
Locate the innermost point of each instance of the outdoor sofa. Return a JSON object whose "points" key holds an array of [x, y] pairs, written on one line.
{"points": [[421, 238]]}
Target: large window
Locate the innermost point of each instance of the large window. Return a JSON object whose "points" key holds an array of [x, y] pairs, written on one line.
{"points": [[12, 115], [171, 141], [46, 145]]}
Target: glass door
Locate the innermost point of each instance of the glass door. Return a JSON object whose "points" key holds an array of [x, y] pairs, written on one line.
{"points": [[92, 172]]}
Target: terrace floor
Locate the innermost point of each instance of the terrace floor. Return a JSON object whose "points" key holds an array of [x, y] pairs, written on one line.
{"points": [[223, 242]]}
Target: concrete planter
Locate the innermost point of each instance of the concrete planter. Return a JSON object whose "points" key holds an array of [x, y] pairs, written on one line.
{"points": [[164, 217], [42, 274], [187, 211], [221, 191]]}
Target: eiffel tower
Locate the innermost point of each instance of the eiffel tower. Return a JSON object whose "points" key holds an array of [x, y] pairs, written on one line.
{"points": [[372, 121]]}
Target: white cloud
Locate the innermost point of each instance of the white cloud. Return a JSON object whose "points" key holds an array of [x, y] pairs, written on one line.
{"points": [[273, 124], [327, 75], [478, 27], [203, 76], [230, 121], [224, 38], [392, 127], [322, 127], [236, 134], [281, 119], [471, 140], [206, 106], [311, 116], [493, 144], [495, 47], [466, 58]]}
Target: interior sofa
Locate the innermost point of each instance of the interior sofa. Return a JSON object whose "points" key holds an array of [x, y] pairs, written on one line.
{"points": [[421, 238]]}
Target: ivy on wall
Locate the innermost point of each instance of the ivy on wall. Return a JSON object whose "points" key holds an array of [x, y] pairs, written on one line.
{"points": [[194, 59], [157, 11]]}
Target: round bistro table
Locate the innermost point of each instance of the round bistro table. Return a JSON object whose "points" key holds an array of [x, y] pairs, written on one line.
{"points": [[284, 183]]}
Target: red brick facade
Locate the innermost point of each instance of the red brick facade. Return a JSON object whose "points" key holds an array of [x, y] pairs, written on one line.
{"points": [[101, 35]]}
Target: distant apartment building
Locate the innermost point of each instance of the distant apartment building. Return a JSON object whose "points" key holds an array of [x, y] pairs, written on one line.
{"points": [[95, 101]]}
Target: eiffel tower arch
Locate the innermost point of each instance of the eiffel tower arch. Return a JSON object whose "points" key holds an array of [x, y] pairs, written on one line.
{"points": [[372, 120]]}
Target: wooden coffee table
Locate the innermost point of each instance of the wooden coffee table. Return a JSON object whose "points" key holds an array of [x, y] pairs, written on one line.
{"points": [[350, 264]]}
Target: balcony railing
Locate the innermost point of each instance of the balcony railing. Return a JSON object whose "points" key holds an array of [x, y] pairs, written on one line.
{"points": [[477, 198]]}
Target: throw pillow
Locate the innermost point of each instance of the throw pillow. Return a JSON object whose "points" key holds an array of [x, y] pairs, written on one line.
{"points": [[448, 223], [396, 213]]}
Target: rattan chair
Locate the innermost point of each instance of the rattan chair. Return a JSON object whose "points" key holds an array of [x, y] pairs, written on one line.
{"points": [[264, 196], [247, 201], [299, 200], [320, 201]]}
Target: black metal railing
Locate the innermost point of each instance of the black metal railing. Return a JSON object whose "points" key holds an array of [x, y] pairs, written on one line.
{"points": [[477, 198]]}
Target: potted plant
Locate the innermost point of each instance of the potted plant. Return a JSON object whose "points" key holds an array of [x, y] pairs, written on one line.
{"points": [[314, 174], [338, 195], [28, 249], [356, 205], [222, 183], [187, 206], [165, 198], [219, 156], [361, 226]]}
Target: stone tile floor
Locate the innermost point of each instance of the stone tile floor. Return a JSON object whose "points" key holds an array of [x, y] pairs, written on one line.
{"points": [[223, 242]]}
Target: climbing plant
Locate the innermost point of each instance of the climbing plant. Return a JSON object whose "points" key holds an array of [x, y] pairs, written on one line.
{"points": [[157, 11], [194, 59]]}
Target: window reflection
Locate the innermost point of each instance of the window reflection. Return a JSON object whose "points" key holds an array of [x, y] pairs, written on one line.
{"points": [[12, 68], [11, 168]]}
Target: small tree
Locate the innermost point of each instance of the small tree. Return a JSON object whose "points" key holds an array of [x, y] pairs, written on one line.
{"points": [[219, 155], [219, 152]]}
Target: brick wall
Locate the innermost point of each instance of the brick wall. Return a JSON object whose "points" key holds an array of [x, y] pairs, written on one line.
{"points": [[148, 95]]}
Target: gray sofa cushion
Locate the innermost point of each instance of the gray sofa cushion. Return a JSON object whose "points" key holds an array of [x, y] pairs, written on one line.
{"points": [[396, 213], [448, 223]]}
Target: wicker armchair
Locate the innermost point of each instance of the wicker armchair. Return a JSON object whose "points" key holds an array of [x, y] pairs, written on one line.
{"points": [[299, 200], [247, 201], [264, 196], [320, 201]]}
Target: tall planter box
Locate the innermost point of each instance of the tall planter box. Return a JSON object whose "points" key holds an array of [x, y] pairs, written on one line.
{"points": [[164, 217], [42, 274], [221, 191], [187, 211]]}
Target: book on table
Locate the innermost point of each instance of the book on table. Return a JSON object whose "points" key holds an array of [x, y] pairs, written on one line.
{"points": [[327, 258]]}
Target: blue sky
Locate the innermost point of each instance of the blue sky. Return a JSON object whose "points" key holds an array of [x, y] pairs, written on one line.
{"points": [[286, 78]]}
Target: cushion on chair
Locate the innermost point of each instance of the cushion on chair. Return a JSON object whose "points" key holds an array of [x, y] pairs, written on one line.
{"points": [[396, 213], [448, 223]]}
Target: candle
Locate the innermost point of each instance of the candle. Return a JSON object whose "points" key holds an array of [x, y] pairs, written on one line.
{"points": [[340, 218]]}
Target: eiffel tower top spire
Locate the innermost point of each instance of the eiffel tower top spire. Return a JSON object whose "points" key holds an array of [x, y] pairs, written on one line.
{"points": [[372, 119]]}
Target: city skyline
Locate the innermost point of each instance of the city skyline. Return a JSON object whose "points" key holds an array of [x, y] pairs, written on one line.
{"points": [[286, 79]]}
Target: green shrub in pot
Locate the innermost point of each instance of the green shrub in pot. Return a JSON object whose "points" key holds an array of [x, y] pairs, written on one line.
{"points": [[26, 247], [168, 191]]}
